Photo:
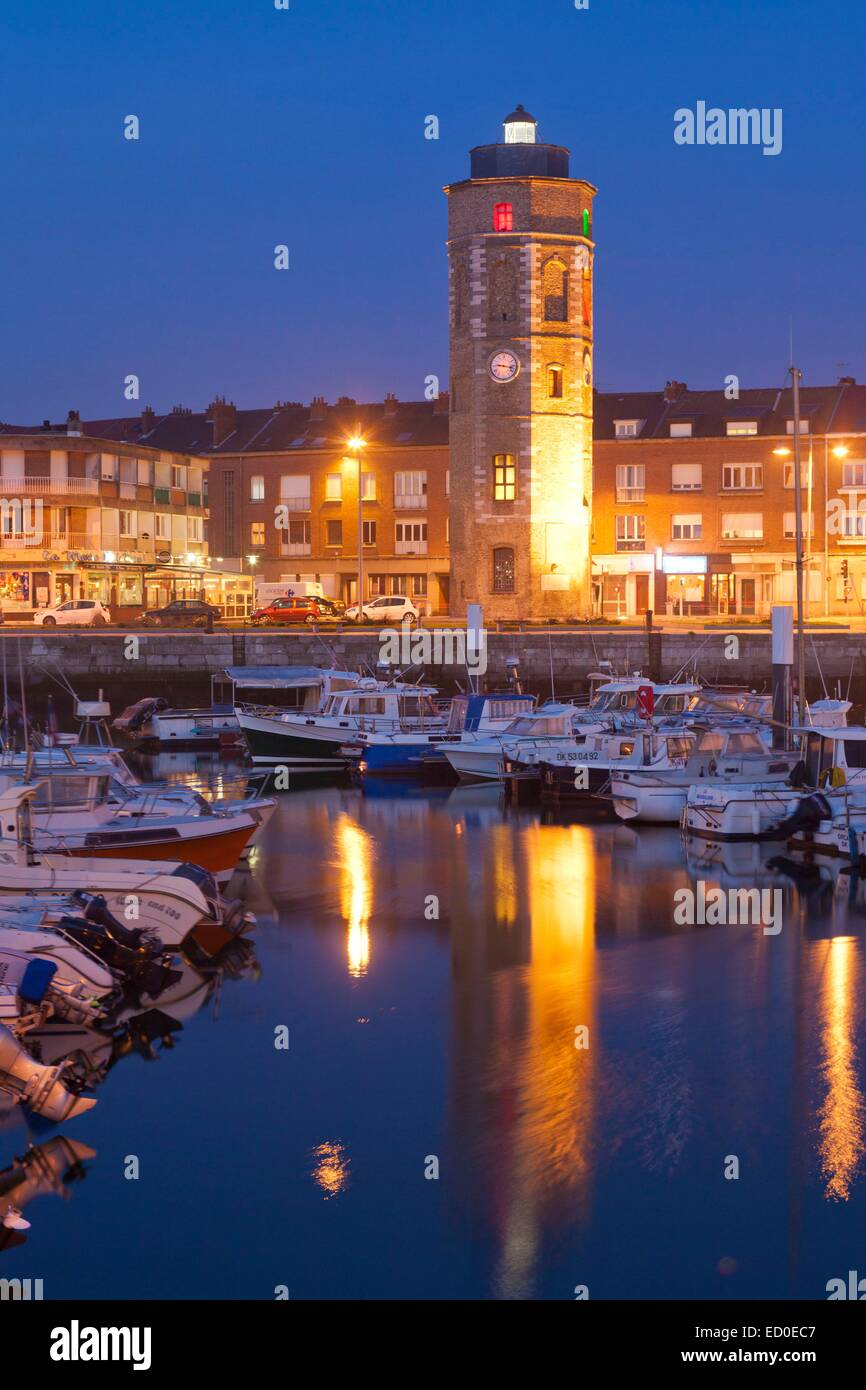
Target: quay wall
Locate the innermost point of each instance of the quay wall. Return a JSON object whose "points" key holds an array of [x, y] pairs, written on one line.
{"points": [[179, 665]]}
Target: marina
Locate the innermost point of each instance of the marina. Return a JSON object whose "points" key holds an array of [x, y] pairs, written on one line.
{"points": [[459, 878]]}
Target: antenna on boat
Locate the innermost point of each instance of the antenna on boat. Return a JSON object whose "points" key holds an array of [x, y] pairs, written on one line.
{"points": [[550, 664], [24, 713]]}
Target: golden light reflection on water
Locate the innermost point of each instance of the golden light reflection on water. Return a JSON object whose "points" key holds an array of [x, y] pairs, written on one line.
{"points": [[355, 866], [551, 1079], [842, 1114], [330, 1168]]}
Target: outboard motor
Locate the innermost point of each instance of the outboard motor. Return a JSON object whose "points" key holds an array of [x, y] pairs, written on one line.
{"points": [[807, 815], [39, 1087], [95, 910], [142, 966]]}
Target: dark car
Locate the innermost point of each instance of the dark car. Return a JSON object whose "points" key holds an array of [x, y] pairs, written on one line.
{"points": [[305, 608], [182, 612]]}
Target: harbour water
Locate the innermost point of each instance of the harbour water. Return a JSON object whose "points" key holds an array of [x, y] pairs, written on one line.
{"points": [[511, 1073]]}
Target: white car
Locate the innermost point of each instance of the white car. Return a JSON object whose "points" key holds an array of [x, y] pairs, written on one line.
{"points": [[78, 612], [391, 609]]}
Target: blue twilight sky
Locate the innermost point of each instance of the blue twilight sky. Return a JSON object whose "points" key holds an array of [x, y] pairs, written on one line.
{"points": [[306, 127]]}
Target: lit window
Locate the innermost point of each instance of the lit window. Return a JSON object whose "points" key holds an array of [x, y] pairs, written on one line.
{"points": [[257, 489], [586, 222], [257, 533], [554, 382], [627, 429], [739, 427], [504, 478], [681, 429], [804, 426], [368, 487], [334, 487], [503, 217]]}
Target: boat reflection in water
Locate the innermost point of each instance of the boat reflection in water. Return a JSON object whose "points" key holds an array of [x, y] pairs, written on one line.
{"points": [[598, 1058]]}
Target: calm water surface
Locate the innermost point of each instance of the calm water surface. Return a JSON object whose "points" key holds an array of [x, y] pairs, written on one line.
{"points": [[414, 1037]]}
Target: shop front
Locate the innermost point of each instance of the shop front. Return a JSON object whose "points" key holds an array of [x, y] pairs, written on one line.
{"points": [[623, 585], [126, 588]]}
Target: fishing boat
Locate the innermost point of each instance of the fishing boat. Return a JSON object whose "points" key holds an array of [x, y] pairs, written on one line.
{"points": [[308, 739]]}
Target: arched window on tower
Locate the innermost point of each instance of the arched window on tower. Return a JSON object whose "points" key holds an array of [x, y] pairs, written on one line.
{"points": [[587, 296], [586, 222], [503, 217], [503, 570], [554, 382], [554, 290]]}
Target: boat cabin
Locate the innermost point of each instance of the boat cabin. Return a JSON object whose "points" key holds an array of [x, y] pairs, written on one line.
{"points": [[468, 713]]}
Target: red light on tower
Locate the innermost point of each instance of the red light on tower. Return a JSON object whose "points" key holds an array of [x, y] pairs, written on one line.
{"points": [[503, 217]]}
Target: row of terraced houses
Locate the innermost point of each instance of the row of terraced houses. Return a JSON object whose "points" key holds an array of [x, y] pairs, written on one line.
{"points": [[693, 503]]}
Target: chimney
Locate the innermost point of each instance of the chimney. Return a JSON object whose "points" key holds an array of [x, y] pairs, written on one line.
{"points": [[674, 389], [441, 404], [46, 424], [148, 420], [223, 416], [73, 423], [847, 381], [390, 404], [317, 408]]}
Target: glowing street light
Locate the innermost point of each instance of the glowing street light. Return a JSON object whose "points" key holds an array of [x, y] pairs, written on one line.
{"points": [[356, 446]]}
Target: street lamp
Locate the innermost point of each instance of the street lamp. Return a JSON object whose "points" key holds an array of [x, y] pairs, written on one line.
{"points": [[356, 446]]}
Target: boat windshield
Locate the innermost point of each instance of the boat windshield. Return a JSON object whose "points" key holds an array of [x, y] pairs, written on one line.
{"points": [[744, 743], [542, 726], [614, 699]]}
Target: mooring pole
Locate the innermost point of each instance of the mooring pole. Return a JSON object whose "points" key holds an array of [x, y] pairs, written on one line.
{"points": [[783, 660]]}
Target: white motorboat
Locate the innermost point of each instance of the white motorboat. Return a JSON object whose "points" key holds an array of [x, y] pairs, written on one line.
{"points": [[167, 898], [93, 826], [833, 766], [587, 770], [734, 752]]}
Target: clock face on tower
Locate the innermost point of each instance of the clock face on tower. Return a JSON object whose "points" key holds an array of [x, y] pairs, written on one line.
{"points": [[504, 366]]}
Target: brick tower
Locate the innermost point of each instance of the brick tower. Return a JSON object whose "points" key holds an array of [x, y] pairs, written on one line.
{"points": [[520, 259]]}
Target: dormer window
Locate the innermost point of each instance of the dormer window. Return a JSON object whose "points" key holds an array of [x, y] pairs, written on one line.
{"points": [[804, 426], [627, 429], [503, 217], [681, 429], [741, 427]]}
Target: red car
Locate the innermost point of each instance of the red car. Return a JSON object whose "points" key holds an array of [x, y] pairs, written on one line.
{"points": [[306, 609]]}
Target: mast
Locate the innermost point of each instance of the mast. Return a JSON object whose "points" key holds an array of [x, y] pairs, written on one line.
{"points": [[798, 530]]}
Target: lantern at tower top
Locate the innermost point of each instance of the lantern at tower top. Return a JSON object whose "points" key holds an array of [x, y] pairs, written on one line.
{"points": [[520, 128]]}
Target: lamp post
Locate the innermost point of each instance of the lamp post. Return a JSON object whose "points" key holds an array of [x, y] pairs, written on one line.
{"points": [[356, 446]]}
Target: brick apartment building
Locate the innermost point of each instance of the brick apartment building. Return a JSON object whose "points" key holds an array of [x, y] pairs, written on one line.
{"points": [[693, 496]]}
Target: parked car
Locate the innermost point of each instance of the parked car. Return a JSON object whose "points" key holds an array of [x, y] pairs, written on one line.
{"points": [[307, 608], [77, 612], [391, 609], [333, 607], [182, 612]]}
